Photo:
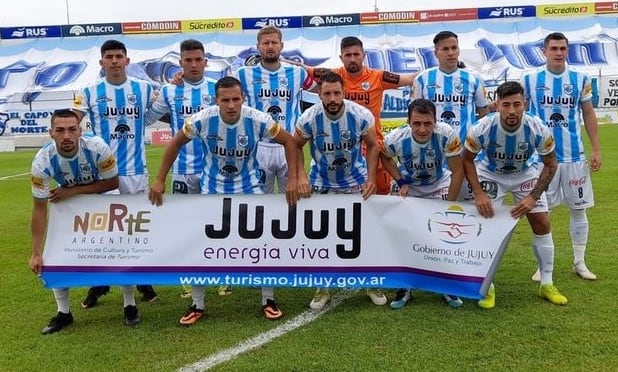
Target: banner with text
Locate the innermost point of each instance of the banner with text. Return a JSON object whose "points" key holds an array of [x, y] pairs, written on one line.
{"points": [[336, 241]]}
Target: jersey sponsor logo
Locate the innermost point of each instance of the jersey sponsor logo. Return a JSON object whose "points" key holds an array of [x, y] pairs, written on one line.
{"points": [[275, 93], [528, 185], [276, 113], [558, 101], [450, 118], [556, 120], [189, 110], [122, 132], [358, 97], [229, 171], [123, 111], [451, 98], [232, 152]]}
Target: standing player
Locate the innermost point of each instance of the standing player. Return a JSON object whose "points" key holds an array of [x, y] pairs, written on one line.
{"points": [[458, 94], [366, 87], [509, 140], [78, 165], [116, 107], [234, 170], [181, 101], [430, 167], [275, 89], [561, 97], [336, 129]]}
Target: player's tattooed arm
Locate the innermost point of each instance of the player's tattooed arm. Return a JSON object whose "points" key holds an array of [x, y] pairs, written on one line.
{"points": [[550, 165]]}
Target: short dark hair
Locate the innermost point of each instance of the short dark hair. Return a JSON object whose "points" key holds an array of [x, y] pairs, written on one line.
{"points": [[349, 41], [330, 77], [509, 88], [64, 113], [113, 45], [191, 44], [442, 35], [227, 82], [422, 106], [555, 36]]}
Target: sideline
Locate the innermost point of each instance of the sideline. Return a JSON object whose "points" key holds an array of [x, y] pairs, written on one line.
{"points": [[266, 337], [5, 178]]}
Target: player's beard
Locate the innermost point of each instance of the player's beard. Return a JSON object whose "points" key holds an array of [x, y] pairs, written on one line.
{"points": [[353, 67], [333, 109], [67, 148], [270, 59]]}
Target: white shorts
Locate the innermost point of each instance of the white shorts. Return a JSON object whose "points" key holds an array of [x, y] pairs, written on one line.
{"points": [[350, 190], [186, 183], [573, 185], [135, 184], [520, 185], [438, 190], [271, 158]]}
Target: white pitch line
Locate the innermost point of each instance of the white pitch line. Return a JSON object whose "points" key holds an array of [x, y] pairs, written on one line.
{"points": [[266, 337], [14, 176]]}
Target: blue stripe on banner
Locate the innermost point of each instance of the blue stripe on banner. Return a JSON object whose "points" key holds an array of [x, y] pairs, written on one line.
{"points": [[296, 277]]}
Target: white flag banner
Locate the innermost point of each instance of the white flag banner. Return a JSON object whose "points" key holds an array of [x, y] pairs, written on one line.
{"points": [[336, 241]]}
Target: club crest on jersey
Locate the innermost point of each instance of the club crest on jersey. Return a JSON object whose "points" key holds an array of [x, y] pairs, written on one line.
{"points": [[458, 86], [243, 140], [85, 168], [431, 153], [365, 85], [206, 99], [283, 81], [131, 98], [522, 146], [345, 135], [567, 89]]}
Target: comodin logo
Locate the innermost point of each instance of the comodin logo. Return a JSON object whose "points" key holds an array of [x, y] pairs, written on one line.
{"points": [[317, 21], [77, 30]]}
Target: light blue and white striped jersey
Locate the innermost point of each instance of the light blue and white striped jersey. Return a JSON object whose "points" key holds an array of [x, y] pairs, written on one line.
{"points": [[229, 149], [337, 160], [181, 102], [422, 164], [456, 96], [275, 92], [509, 152], [557, 100], [94, 161], [117, 115]]}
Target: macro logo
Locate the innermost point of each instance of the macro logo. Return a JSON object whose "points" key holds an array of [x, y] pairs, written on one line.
{"points": [[122, 132], [454, 226], [77, 30], [116, 219], [316, 21]]}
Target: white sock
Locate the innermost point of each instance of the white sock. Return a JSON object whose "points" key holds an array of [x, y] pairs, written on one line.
{"points": [[578, 227], [268, 293], [543, 246], [62, 299], [197, 294], [127, 295]]}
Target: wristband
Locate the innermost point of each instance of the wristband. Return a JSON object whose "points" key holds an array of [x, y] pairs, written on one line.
{"points": [[401, 182]]}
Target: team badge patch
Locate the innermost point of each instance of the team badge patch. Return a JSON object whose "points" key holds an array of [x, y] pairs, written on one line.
{"points": [[206, 99], [431, 153], [283, 81], [365, 85], [243, 140], [345, 135], [522, 146], [458, 86], [131, 98], [567, 89]]}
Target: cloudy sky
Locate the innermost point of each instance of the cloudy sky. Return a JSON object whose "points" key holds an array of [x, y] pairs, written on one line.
{"points": [[52, 12]]}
